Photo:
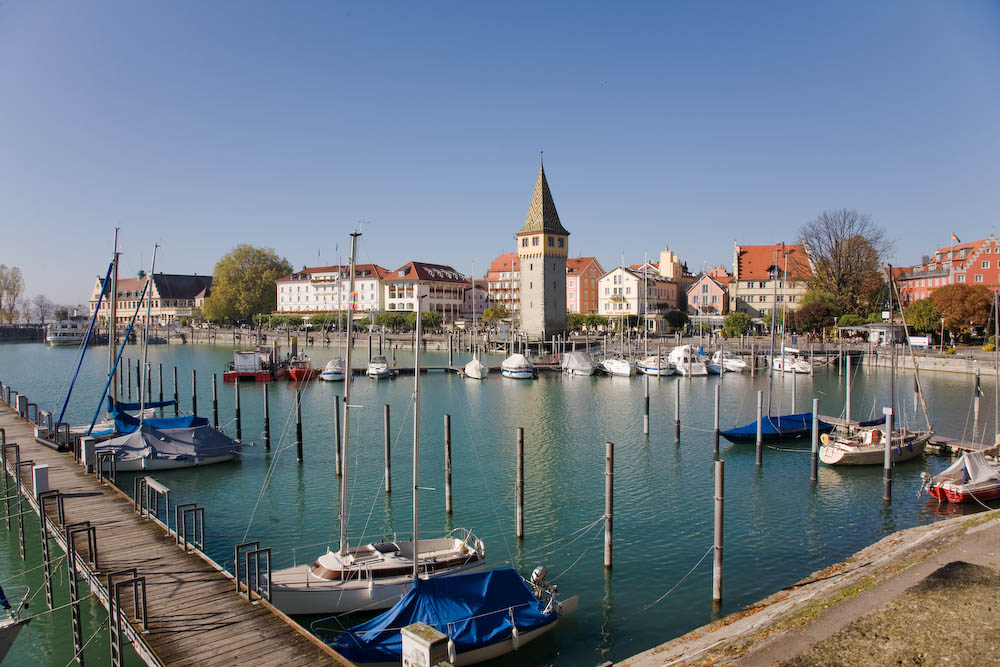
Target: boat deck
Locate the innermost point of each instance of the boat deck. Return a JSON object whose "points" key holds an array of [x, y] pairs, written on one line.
{"points": [[194, 614]]}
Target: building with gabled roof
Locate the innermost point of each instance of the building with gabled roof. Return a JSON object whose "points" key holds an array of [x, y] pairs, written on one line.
{"points": [[973, 263], [443, 286], [174, 296], [503, 282], [542, 249], [326, 289], [582, 276], [768, 276], [709, 293]]}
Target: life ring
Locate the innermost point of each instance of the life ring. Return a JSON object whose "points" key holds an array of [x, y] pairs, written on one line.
{"points": [[825, 438]]}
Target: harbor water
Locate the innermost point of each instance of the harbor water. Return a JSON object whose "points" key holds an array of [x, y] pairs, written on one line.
{"points": [[779, 526]]}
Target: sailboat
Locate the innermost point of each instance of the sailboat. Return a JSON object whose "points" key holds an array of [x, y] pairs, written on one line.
{"points": [[866, 445], [11, 626], [518, 367], [372, 576], [781, 427], [485, 615], [163, 443], [335, 369], [475, 369], [972, 478], [790, 362]]}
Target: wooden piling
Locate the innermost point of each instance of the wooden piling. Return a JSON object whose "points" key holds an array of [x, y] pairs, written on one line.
{"points": [[519, 485], [194, 392], [388, 449], [812, 360], [887, 462], [138, 379], [760, 434], [160, 378], [717, 547], [715, 426], [677, 414], [177, 401], [794, 386], [239, 418], [128, 368], [814, 455], [645, 412], [753, 360], [916, 395], [215, 399], [840, 359], [447, 464], [451, 347], [298, 425], [148, 372], [267, 418], [976, 391], [609, 501]]}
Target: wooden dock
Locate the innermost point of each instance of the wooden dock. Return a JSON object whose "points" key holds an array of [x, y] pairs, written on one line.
{"points": [[941, 444], [193, 613]]}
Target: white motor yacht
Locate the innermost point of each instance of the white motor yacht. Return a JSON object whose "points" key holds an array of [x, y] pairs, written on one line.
{"points": [[790, 362], [378, 367], [687, 361], [518, 366], [655, 365], [617, 366], [730, 362], [333, 371]]}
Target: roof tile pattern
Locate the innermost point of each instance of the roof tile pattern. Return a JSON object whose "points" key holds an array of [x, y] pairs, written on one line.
{"points": [[756, 261], [542, 215]]}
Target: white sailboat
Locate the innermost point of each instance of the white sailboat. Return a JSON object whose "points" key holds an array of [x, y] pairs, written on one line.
{"points": [[336, 369], [656, 366], [577, 363], [475, 369], [617, 367], [518, 367], [376, 575]]}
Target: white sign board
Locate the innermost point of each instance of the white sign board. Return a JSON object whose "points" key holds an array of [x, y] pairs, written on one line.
{"points": [[885, 315], [920, 341]]}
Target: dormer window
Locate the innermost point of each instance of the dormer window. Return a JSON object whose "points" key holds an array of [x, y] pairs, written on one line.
{"points": [[401, 273]]}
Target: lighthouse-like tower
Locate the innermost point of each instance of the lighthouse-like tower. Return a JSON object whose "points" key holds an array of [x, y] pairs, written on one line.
{"points": [[542, 248]]}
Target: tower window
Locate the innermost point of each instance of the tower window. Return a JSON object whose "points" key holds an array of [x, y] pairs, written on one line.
{"points": [[551, 242], [534, 240], [524, 242], [562, 242]]}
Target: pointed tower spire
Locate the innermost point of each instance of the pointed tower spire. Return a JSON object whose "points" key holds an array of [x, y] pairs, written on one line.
{"points": [[542, 215]]}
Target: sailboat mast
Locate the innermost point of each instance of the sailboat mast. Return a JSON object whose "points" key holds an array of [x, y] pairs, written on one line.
{"points": [[784, 293], [996, 367], [475, 341], [416, 440], [348, 378], [145, 336], [892, 347], [645, 308], [112, 324], [774, 302]]}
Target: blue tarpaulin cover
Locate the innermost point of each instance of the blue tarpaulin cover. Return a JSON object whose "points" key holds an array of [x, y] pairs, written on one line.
{"points": [[122, 405], [126, 423], [473, 609], [785, 427]]}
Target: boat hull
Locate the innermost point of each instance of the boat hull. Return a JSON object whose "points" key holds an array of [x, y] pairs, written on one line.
{"points": [[964, 493], [9, 631], [142, 465], [654, 371], [838, 454], [518, 374]]}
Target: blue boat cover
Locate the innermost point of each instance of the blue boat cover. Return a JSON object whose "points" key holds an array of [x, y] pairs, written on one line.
{"points": [[126, 423], [785, 427], [475, 610], [135, 406]]}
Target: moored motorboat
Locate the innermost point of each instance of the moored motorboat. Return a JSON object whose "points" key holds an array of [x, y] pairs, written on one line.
{"points": [[725, 360], [655, 365], [969, 479], [519, 367], [774, 428], [687, 361], [867, 447], [790, 362], [333, 371], [378, 367], [65, 332], [577, 363], [300, 369], [618, 367]]}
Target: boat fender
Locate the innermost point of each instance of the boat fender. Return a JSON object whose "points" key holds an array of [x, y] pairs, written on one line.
{"points": [[371, 589], [825, 438], [514, 638], [452, 657]]}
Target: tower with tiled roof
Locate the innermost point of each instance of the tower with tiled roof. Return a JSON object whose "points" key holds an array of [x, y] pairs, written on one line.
{"points": [[542, 248]]}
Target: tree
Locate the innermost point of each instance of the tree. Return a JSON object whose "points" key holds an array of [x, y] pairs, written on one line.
{"points": [[391, 321], [61, 313], [42, 307], [923, 316], [293, 320], [845, 248], [829, 299], [495, 314], [430, 319], [596, 322], [243, 283], [11, 290], [576, 321], [851, 320], [810, 317], [276, 321], [736, 324], [677, 318], [963, 306]]}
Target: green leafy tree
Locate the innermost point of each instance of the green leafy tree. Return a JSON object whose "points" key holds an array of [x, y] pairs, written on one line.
{"points": [[829, 299], [923, 316], [276, 321], [495, 314], [391, 321], [363, 323], [677, 318], [736, 324], [429, 320], [851, 320], [963, 306], [243, 284], [293, 321], [810, 317], [576, 321], [595, 322]]}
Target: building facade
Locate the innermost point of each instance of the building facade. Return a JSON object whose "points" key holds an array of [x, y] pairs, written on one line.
{"points": [[760, 282], [975, 263], [709, 293], [474, 299], [621, 292], [542, 249], [174, 297], [503, 282], [582, 274], [324, 289], [443, 286]]}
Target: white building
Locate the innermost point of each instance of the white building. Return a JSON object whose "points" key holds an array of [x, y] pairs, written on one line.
{"points": [[620, 292], [475, 298], [443, 286], [321, 289]]}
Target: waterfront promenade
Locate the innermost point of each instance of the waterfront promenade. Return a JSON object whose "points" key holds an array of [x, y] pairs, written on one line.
{"points": [[194, 615]]}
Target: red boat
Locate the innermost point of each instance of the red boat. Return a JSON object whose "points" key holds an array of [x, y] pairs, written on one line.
{"points": [[970, 479], [258, 365], [299, 369]]}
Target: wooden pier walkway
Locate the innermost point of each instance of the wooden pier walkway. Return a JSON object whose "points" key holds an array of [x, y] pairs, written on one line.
{"points": [[194, 615]]}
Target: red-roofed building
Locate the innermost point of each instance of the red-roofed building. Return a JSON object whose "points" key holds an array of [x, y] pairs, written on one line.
{"points": [[759, 277], [503, 282], [582, 274], [709, 294], [975, 263], [324, 289], [443, 286], [174, 297]]}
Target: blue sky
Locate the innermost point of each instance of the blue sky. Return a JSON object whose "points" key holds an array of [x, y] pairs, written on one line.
{"points": [[689, 124]]}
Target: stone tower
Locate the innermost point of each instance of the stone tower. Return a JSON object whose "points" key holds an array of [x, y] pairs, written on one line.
{"points": [[542, 248]]}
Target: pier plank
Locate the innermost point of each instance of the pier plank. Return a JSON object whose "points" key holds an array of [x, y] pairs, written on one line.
{"points": [[195, 615]]}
